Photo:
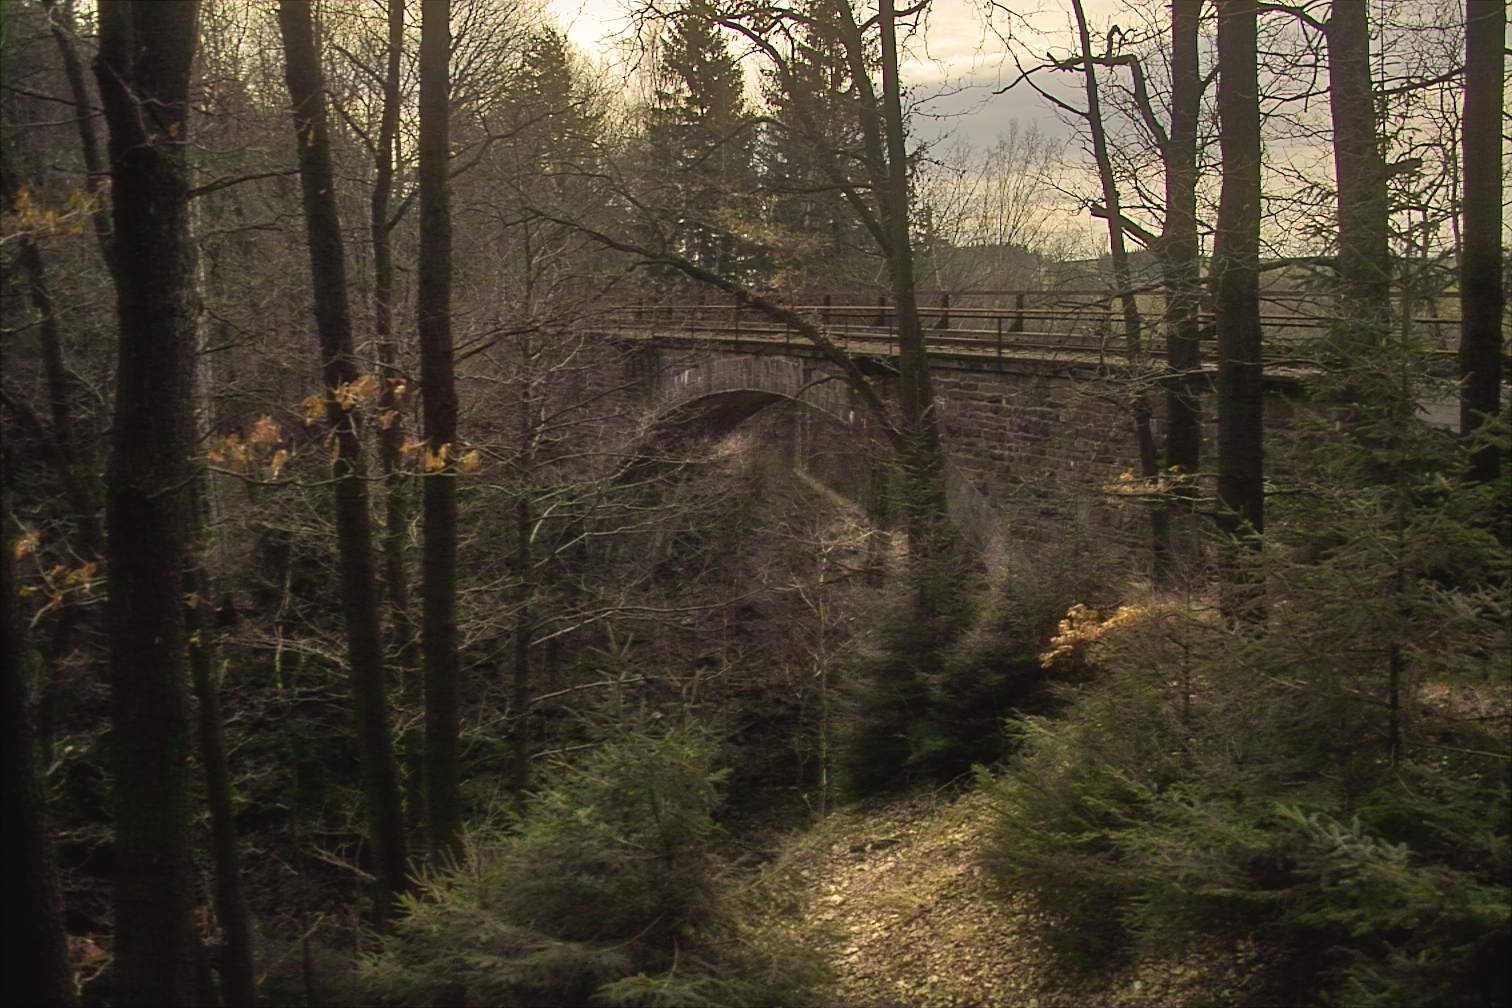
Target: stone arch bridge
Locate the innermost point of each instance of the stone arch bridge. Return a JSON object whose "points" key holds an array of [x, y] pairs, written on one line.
{"points": [[1032, 405], [1020, 435]]}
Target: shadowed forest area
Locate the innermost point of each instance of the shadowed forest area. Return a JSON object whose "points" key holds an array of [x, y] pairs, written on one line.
{"points": [[374, 635]]}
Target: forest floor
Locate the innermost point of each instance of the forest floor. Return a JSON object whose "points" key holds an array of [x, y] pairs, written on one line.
{"points": [[895, 899]]}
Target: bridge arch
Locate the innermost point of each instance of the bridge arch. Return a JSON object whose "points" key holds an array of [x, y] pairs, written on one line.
{"points": [[711, 399]]}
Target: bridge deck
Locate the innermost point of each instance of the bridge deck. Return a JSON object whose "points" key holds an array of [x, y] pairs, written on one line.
{"points": [[969, 350], [1077, 334]]}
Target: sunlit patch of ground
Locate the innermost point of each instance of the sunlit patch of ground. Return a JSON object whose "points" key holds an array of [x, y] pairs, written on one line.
{"points": [[895, 900]]}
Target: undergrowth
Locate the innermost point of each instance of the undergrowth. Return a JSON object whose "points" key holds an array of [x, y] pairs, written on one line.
{"points": [[1321, 780], [599, 893]]}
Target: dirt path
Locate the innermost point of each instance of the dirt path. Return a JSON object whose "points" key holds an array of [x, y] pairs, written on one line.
{"points": [[895, 900]]}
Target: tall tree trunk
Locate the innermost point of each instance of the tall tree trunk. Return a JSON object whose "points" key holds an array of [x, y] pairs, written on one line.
{"points": [[936, 551], [1236, 276], [1179, 250], [354, 533], [391, 396], [1144, 435], [1481, 305], [143, 69], [62, 391], [33, 957], [438, 562], [238, 985], [1364, 266], [524, 564], [62, 24]]}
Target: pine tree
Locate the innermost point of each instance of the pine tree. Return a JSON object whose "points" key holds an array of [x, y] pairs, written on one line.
{"points": [[702, 138]]}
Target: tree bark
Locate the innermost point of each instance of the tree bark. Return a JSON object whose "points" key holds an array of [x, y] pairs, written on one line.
{"points": [[1236, 276], [62, 390], [391, 430], [936, 553], [438, 561], [238, 982], [1179, 249], [1144, 435], [1481, 355], [143, 69], [61, 23], [354, 533], [1364, 265], [397, 504], [524, 620]]}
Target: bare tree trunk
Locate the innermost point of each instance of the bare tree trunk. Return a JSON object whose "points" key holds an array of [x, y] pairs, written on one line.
{"points": [[1364, 265], [61, 22], [390, 400], [1144, 435], [936, 550], [1179, 250], [524, 628], [354, 533], [524, 562], [33, 955], [1480, 352], [145, 63], [391, 396], [61, 393], [238, 983], [1236, 276], [438, 562]]}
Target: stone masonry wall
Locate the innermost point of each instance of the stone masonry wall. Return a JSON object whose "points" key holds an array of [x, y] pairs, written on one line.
{"points": [[1032, 443]]}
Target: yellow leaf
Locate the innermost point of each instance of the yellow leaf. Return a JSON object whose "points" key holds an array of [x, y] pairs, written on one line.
{"points": [[314, 408], [277, 463], [360, 389], [470, 461], [435, 461], [389, 416], [266, 431], [230, 452], [26, 544]]}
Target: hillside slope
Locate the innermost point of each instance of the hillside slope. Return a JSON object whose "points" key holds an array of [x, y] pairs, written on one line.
{"points": [[895, 900]]}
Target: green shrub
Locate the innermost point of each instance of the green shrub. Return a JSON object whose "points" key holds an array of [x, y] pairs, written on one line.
{"points": [[1325, 780], [925, 707], [600, 894]]}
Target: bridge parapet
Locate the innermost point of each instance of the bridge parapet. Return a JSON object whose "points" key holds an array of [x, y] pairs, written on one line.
{"points": [[1077, 327]]}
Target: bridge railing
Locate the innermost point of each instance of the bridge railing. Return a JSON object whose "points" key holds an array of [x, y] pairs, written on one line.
{"points": [[1083, 324]]}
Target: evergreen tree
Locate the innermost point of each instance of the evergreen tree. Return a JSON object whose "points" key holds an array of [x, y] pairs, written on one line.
{"points": [[817, 138], [551, 120], [702, 138], [699, 119]]}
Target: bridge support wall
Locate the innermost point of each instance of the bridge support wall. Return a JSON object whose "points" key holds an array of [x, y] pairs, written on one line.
{"points": [[1032, 443]]}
